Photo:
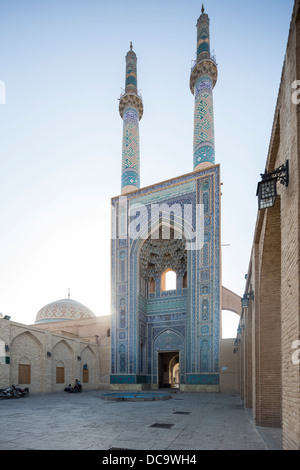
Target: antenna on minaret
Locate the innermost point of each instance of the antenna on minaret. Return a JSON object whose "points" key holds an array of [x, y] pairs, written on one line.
{"points": [[68, 292], [131, 45], [202, 9]]}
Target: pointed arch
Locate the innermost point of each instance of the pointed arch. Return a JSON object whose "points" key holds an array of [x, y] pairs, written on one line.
{"points": [[135, 293], [62, 343], [27, 335], [89, 367], [168, 340]]}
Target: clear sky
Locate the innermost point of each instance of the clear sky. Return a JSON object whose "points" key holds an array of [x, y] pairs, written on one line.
{"points": [[63, 64]]}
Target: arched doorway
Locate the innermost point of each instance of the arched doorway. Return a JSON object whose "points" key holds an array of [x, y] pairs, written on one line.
{"points": [[168, 359], [168, 369]]}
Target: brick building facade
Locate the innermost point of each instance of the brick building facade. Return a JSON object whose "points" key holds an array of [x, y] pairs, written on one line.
{"points": [[269, 372]]}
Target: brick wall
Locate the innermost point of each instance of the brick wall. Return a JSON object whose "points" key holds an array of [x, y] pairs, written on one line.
{"points": [[272, 321], [228, 367]]}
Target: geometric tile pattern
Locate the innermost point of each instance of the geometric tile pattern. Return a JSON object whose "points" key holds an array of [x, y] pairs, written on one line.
{"points": [[204, 122], [203, 46], [131, 148]]}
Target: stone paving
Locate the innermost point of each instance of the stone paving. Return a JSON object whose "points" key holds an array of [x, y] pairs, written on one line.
{"points": [[84, 421]]}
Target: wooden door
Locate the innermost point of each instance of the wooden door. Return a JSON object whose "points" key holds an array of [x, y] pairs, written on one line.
{"points": [[85, 376], [60, 375], [24, 374]]}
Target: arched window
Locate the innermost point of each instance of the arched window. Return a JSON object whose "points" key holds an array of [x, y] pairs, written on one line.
{"points": [[168, 280]]}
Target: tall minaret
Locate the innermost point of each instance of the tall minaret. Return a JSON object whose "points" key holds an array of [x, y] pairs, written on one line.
{"points": [[203, 79], [131, 111]]}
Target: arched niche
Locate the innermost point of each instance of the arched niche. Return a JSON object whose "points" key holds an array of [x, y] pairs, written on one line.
{"points": [[88, 367], [26, 349], [62, 352]]}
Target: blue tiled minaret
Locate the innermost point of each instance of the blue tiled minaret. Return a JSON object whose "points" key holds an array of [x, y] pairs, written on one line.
{"points": [[131, 111], [202, 81]]}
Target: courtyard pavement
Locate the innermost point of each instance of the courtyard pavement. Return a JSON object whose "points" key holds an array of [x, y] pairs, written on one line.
{"points": [[84, 421]]}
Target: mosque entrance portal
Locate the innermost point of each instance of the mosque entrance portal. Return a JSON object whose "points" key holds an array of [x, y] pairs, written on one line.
{"points": [[168, 369]]}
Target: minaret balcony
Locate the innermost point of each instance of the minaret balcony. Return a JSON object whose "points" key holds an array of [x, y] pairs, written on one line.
{"points": [[205, 66], [134, 99], [204, 56], [124, 92]]}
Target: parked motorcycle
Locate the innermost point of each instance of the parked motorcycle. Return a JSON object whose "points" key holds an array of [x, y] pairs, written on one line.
{"points": [[13, 392], [5, 393], [10, 392], [23, 392]]}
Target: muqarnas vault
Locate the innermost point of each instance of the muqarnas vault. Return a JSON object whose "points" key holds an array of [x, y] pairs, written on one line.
{"points": [[168, 335]]}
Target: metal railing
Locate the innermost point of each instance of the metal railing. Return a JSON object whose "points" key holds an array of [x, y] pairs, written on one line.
{"points": [[205, 55], [124, 92]]}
